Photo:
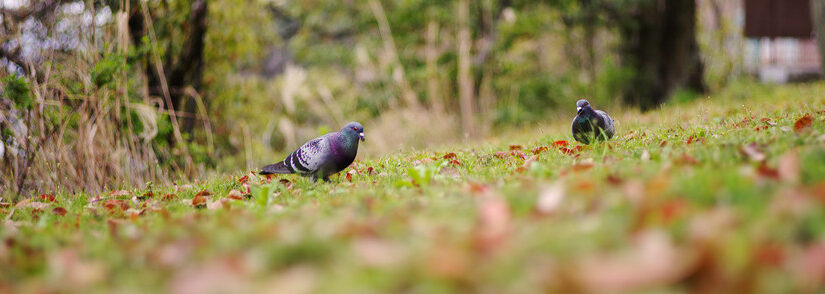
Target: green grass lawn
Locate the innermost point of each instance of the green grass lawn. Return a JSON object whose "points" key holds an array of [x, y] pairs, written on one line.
{"points": [[722, 194]]}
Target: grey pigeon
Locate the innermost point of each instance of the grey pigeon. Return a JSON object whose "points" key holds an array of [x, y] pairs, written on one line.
{"points": [[322, 156], [591, 124]]}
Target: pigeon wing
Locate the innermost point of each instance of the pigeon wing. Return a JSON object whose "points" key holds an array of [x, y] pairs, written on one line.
{"points": [[310, 157], [608, 123]]}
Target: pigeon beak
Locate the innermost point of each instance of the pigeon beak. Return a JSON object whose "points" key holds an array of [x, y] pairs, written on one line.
{"points": [[578, 110], [361, 135]]}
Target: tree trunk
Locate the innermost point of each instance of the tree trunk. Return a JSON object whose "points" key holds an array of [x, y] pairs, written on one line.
{"points": [[465, 78], [818, 17], [659, 44]]}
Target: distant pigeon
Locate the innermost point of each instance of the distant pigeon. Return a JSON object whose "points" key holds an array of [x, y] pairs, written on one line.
{"points": [[323, 156], [591, 124]]}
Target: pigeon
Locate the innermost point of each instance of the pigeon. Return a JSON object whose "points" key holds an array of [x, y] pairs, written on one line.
{"points": [[322, 156], [591, 124]]}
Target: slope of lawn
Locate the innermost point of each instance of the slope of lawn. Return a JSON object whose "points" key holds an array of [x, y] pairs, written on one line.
{"points": [[722, 194]]}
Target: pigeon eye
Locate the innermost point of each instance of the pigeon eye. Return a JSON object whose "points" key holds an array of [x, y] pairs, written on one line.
{"points": [[354, 129]]}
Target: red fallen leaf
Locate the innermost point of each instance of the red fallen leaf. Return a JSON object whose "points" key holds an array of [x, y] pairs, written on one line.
{"points": [[370, 170], [571, 151], [455, 163], [686, 159], [243, 180], [350, 173], [269, 176], [560, 143], [803, 123], [169, 197], [768, 172], [663, 144], [582, 166], [539, 150], [235, 195], [767, 121], [59, 211], [515, 147], [695, 139], [752, 151], [47, 197], [769, 254], [519, 154], [199, 201], [500, 154], [450, 155], [204, 193], [492, 223], [286, 183], [135, 213]]}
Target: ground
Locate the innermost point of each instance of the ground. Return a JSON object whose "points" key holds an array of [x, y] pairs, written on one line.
{"points": [[721, 194]]}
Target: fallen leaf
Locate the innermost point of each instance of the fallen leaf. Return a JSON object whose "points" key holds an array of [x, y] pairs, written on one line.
{"points": [[686, 159], [116, 205], [286, 183], [350, 173], [199, 201], [803, 123], [31, 204], [539, 150], [59, 211], [450, 155], [204, 193], [515, 147], [243, 180], [47, 198], [500, 154], [550, 198], [769, 254], [455, 163], [423, 161], [663, 144], [767, 172], [752, 152], [235, 195], [530, 161], [134, 213], [560, 143], [519, 154], [169, 197]]}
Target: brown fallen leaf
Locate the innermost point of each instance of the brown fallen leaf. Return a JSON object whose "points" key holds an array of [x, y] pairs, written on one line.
{"points": [[204, 193], [199, 201], [500, 154], [59, 211], [286, 183], [803, 123], [752, 152], [450, 155], [243, 180], [686, 159], [515, 147], [455, 163], [169, 197], [539, 150], [581, 166], [765, 171]]}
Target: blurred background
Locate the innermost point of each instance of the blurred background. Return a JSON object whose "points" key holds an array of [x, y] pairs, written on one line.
{"points": [[98, 94]]}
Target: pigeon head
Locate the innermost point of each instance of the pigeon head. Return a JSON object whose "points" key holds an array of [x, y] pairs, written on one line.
{"points": [[354, 130], [582, 105]]}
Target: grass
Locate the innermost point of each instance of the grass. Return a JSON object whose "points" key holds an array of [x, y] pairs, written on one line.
{"points": [[722, 194]]}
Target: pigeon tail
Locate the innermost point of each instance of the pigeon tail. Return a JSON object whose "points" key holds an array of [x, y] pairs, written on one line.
{"points": [[275, 168]]}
